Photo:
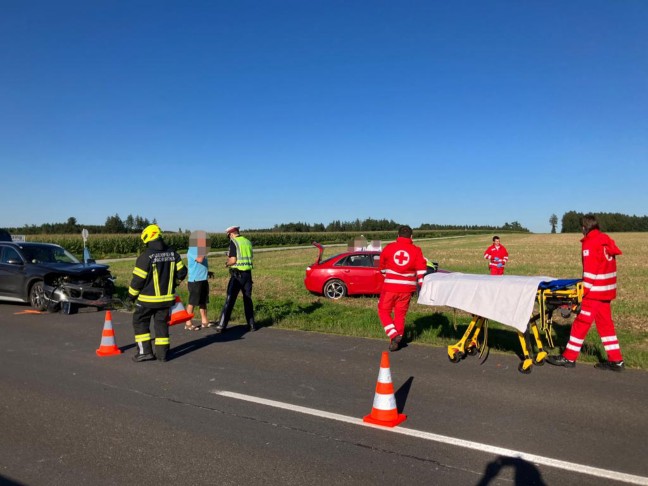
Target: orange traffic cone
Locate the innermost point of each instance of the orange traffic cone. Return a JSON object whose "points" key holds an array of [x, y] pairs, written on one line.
{"points": [[108, 346], [178, 313], [384, 411]]}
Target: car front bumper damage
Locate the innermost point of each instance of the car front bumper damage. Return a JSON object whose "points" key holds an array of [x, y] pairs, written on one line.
{"points": [[66, 293]]}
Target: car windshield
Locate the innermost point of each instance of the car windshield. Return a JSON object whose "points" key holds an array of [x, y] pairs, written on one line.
{"points": [[48, 254]]}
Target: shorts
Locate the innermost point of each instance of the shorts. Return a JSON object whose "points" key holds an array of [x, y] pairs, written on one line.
{"points": [[198, 293]]}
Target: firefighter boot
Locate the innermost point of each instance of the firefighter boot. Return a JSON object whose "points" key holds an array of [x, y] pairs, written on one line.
{"points": [[161, 351], [144, 352]]}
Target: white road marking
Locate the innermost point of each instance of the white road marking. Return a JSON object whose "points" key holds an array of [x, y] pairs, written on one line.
{"points": [[533, 458]]}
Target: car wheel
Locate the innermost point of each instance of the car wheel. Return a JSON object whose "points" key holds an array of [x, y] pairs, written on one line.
{"points": [[334, 289], [37, 296]]}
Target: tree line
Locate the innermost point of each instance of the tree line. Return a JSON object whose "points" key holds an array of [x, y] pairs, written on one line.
{"points": [[609, 222], [571, 223], [134, 224], [113, 225], [371, 224], [368, 224]]}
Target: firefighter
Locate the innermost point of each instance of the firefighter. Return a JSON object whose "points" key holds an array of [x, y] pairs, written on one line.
{"points": [[404, 266], [158, 270], [599, 253], [497, 257], [239, 262]]}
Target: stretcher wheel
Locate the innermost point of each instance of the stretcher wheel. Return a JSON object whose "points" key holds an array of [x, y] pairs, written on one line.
{"points": [[525, 366], [471, 351], [456, 356], [540, 358]]}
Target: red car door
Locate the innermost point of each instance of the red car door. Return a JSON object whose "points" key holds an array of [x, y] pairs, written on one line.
{"points": [[362, 274]]}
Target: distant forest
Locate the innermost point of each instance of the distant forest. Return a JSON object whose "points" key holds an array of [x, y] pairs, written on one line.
{"points": [[134, 224], [379, 225], [114, 225], [609, 222], [571, 223]]}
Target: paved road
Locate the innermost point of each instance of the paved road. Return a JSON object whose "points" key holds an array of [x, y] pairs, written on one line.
{"points": [[70, 417]]}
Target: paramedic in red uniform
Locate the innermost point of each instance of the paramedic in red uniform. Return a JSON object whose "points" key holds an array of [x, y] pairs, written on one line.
{"points": [[404, 266], [599, 289], [497, 257]]}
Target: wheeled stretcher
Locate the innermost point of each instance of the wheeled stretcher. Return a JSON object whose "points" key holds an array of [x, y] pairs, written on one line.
{"points": [[564, 295], [509, 300]]}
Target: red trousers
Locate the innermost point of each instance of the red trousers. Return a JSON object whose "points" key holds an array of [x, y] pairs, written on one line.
{"points": [[601, 313], [495, 270], [392, 309]]}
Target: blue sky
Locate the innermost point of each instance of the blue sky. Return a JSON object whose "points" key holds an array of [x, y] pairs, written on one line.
{"points": [[206, 114]]}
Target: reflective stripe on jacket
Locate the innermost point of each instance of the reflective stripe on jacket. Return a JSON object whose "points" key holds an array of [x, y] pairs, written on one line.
{"points": [[157, 271], [403, 264], [599, 266]]}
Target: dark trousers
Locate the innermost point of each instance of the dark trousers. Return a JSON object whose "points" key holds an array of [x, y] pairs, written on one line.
{"points": [[142, 326], [239, 281]]}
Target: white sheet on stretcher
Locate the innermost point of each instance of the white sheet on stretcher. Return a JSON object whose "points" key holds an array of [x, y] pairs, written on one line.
{"points": [[505, 299]]}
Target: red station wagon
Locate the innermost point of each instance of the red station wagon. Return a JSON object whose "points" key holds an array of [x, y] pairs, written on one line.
{"points": [[349, 273]]}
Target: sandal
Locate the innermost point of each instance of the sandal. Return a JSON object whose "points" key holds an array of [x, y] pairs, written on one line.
{"points": [[191, 327]]}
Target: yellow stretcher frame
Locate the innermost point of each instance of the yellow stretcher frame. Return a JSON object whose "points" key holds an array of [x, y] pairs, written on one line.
{"points": [[568, 300]]}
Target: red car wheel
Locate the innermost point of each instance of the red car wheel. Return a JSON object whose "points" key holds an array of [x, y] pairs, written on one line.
{"points": [[334, 289]]}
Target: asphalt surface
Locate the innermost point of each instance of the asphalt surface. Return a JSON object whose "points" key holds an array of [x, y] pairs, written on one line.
{"points": [[70, 417]]}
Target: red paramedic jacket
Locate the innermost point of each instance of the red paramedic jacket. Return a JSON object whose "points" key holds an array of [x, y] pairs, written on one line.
{"points": [[599, 266], [403, 264], [493, 252]]}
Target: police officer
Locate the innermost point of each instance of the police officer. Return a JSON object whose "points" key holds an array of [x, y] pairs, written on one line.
{"points": [[157, 272], [239, 262]]}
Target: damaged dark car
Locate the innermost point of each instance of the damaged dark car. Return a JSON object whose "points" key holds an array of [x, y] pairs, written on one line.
{"points": [[50, 278]]}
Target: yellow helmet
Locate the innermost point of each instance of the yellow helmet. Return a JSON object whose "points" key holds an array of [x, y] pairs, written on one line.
{"points": [[151, 232]]}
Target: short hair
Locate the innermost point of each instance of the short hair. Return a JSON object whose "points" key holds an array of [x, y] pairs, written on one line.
{"points": [[496, 237], [589, 222], [405, 231]]}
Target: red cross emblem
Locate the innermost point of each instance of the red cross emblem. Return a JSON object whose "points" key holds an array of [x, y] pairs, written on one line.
{"points": [[401, 258]]}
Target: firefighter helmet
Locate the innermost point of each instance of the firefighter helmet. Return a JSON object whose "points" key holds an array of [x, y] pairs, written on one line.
{"points": [[151, 232]]}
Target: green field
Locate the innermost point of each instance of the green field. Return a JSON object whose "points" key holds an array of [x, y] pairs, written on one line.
{"points": [[282, 301]]}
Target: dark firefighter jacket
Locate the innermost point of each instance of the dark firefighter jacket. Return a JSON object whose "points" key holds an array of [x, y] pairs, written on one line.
{"points": [[157, 272]]}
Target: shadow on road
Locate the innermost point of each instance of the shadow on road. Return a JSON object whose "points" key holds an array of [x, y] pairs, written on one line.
{"points": [[5, 481], [525, 473], [233, 333], [402, 393]]}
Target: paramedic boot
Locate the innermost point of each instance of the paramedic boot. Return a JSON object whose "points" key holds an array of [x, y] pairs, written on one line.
{"points": [[560, 360], [617, 366], [252, 326], [395, 343], [144, 352]]}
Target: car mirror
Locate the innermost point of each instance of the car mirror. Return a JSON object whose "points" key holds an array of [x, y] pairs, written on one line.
{"points": [[14, 261]]}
